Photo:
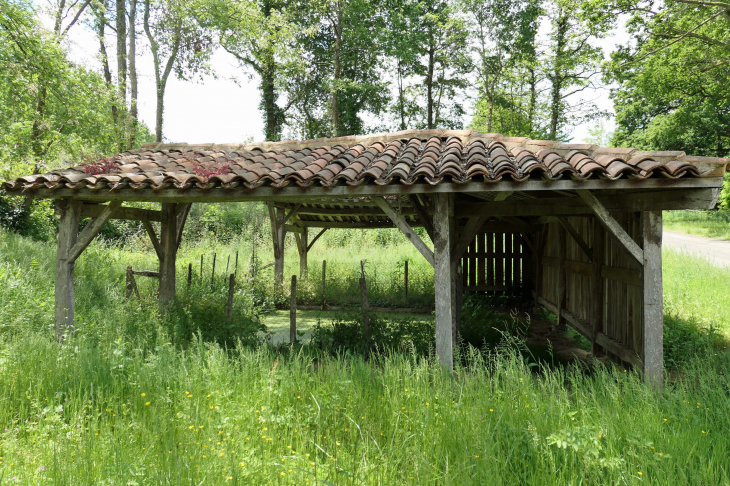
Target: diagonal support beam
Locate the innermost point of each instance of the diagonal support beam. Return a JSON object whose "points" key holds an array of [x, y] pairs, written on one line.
{"points": [[403, 225], [91, 230], [291, 213], [467, 237], [576, 237], [422, 215], [153, 237], [314, 240], [612, 226], [182, 217]]}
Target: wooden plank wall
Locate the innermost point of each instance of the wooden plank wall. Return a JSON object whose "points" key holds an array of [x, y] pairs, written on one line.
{"points": [[622, 278], [499, 263]]}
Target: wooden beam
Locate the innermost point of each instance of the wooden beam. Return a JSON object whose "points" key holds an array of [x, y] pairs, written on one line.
{"points": [[576, 237], [64, 286], [406, 229], [473, 226], [91, 230], [183, 210], [615, 229], [443, 236], [374, 211], [423, 215], [303, 247], [272, 218], [134, 214], [348, 225], [561, 272], [146, 273], [293, 193], [290, 228], [314, 240], [291, 213], [279, 258], [153, 237], [651, 222]]}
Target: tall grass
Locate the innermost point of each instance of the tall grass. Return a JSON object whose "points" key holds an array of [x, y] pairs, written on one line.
{"points": [[121, 404], [712, 224]]}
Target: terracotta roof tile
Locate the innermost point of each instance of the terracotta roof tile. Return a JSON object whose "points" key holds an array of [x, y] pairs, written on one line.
{"points": [[408, 157]]}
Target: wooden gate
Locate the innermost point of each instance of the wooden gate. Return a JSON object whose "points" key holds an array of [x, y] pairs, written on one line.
{"points": [[498, 263]]}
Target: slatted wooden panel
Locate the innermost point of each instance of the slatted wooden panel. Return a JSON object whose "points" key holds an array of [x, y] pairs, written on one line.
{"points": [[623, 295], [498, 262]]}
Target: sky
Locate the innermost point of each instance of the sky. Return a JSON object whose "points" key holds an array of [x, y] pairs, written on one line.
{"points": [[223, 108]]}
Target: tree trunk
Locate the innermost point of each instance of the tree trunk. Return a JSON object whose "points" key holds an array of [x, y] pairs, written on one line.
{"points": [[557, 76], [429, 88], [122, 50], [268, 98], [336, 121], [105, 61], [133, 113]]}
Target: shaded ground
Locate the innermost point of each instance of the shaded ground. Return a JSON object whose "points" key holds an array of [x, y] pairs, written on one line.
{"points": [[715, 251]]}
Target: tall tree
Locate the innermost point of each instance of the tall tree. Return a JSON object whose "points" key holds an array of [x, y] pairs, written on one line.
{"points": [[572, 65], [178, 43]]}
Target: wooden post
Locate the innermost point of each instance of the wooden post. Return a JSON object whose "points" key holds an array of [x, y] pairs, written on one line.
{"points": [[293, 311], [365, 309], [561, 272], [190, 274], [169, 244], [212, 273], [131, 284], [201, 269], [324, 270], [597, 290], [459, 300], [443, 239], [227, 263], [231, 288], [64, 300], [406, 281], [653, 358], [279, 233], [236, 269], [303, 252]]}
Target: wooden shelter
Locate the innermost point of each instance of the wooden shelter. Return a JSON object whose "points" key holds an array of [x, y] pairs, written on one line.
{"points": [[577, 226]]}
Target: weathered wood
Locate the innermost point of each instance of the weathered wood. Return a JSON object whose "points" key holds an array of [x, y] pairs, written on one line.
{"points": [[611, 225], [576, 237], [183, 210], [168, 243], [597, 291], [624, 275], [64, 292], [314, 240], [272, 218], [473, 226], [131, 287], [291, 213], [300, 194], [324, 279], [365, 309], [212, 271], [279, 258], [231, 289], [653, 307], [293, 310], [201, 269], [406, 230], [422, 215], [303, 248], [405, 281], [443, 238], [155, 242], [292, 228], [190, 274], [346, 211], [459, 300], [350, 225], [561, 272], [91, 230], [90, 210], [146, 273]]}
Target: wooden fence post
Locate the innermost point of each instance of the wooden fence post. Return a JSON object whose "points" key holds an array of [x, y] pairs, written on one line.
{"points": [[201, 269], [406, 281], [365, 304], [324, 271], [190, 274], [227, 263], [236, 269], [231, 287], [131, 284], [212, 273], [293, 311]]}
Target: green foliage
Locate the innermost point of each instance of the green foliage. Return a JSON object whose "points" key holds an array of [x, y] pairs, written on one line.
{"points": [[483, 326]]}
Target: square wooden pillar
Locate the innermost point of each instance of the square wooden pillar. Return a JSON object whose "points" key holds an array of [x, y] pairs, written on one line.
{"points": [[64, 299], [169, 244], [302, 242], [278, 233], [653, 336], [445, 278]]}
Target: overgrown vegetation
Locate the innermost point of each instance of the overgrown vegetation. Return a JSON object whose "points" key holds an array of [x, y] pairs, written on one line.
{"points": [[139, 399]]}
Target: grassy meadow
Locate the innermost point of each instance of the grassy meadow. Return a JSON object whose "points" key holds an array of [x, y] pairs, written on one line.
{"points": [[129, 401], [711, 224]]}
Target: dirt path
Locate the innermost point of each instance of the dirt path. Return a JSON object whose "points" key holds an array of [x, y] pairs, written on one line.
{"points": [[716, 251]]}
